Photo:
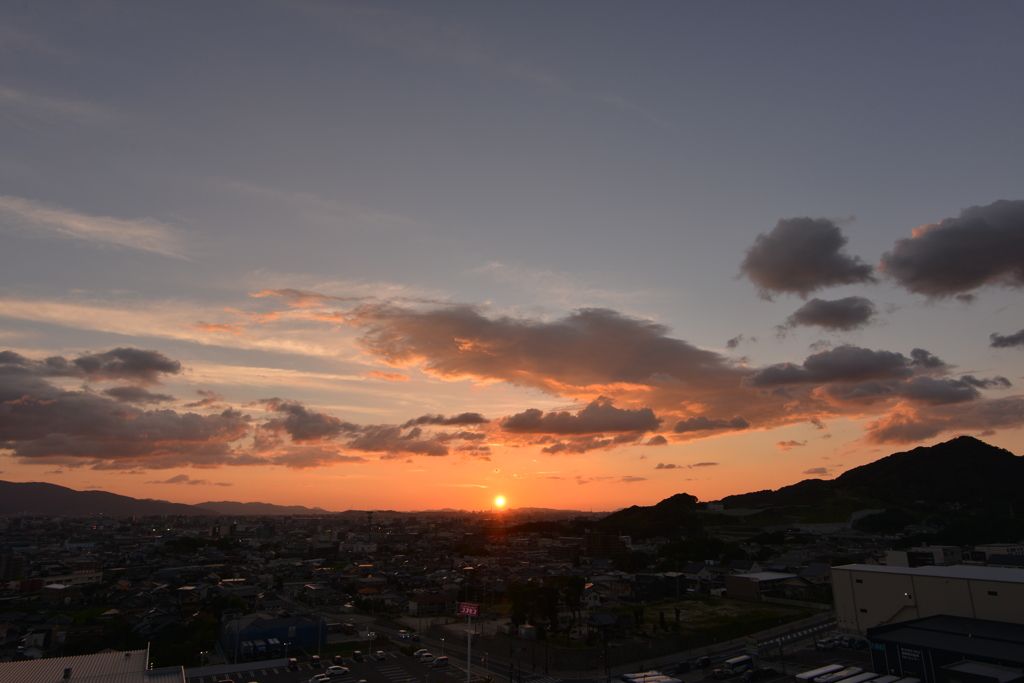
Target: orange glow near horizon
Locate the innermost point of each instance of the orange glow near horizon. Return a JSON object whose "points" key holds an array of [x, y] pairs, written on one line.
{"points": [[499, 502]]}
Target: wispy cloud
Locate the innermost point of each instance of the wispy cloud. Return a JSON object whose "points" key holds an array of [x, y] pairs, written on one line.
{"points": [[144, 234], [567, 290], [42, 107], [185, 479]]}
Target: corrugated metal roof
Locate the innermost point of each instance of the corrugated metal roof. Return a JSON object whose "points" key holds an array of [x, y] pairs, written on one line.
{"points": [[112, 667], [956, 571]]}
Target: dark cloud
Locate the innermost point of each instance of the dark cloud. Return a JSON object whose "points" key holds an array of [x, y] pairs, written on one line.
{"points": [[702, 423], [789, 445], [924, 359], [390, 439], [817, 471], [734, 342], [631, 479], [589, 347], [669, 466], [139, 395], [844, 364], [118, 364], [303, 424], [208, 399], [703, 464], [801, 255], [42, 422], [998, 341], [984, 245], [460, 419], [656, 440], [839, 314], [597, 417], [996, 382], [938, 391], [127, 363], [918, 389]]}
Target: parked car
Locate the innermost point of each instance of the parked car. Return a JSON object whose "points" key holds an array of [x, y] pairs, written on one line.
{"points": [[827, 644], [314, 661], [752, 675], [293, 664], [719, 673], [441, 661], [403, 634], [319, 678], [380, 654], [702, 662], [419, 653], [427, 657], [357, 656], [337, 671], [337, 659], [415, 638], [859, 644]]}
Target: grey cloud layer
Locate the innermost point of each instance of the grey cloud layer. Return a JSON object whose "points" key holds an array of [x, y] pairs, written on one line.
{"points": [[801, 255], [597, 417], [845, 364], [984, 245], [702, 423], [42, 422]]}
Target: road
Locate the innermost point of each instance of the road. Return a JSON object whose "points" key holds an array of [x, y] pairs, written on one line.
{"points": [[796, 648]]}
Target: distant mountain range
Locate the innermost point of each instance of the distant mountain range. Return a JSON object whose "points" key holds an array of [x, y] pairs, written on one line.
{"points": [[965, 471], [50, 499], [959, 485], [965, 488], [227, 507]]}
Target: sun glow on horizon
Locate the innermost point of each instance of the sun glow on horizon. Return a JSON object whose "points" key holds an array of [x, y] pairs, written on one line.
{"points": [[499, 501]]}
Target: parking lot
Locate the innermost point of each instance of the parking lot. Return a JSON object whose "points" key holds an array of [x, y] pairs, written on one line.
{"points": [[394, 668]]}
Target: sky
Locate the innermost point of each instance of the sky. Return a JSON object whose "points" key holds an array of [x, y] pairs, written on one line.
{"points": [[582, 255]]}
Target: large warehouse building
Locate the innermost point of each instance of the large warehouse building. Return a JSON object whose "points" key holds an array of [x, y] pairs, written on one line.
{"points": [[867, 596], [949, 650]]}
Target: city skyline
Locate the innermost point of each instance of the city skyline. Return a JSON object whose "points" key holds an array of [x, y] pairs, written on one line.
{"points": [[579, 256]]}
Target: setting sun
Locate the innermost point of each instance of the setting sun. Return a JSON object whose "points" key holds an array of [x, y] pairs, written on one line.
{"points": [[499, 501]]}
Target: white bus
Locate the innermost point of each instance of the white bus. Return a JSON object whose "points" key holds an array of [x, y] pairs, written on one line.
{"points": [[860, 678], [839, 675], [737, 664], [808, 676], [640, 677]]}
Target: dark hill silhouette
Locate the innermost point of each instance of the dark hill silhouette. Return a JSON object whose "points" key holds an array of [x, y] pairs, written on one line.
{"points": [[51, 499], [671, 517], [227, 507], [963, 470]]}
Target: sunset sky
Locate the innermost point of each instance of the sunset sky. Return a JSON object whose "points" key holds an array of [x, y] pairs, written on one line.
{"points": [[380, 255]]}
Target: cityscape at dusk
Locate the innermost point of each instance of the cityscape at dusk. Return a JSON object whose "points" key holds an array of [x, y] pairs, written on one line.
{"points": [[484, 256]]}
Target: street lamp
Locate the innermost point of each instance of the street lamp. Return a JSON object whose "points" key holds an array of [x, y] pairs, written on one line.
{"points": [[442, 646]]}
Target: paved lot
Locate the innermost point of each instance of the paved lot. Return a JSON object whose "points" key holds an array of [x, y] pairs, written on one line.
{"points": [[396, 668]]}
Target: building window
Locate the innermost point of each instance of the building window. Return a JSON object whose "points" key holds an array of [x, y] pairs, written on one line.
{"points": [[993, 592], [863, 610]]}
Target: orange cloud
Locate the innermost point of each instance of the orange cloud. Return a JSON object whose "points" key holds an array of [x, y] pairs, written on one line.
{"points": [[218, 327], [390, 376]]}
